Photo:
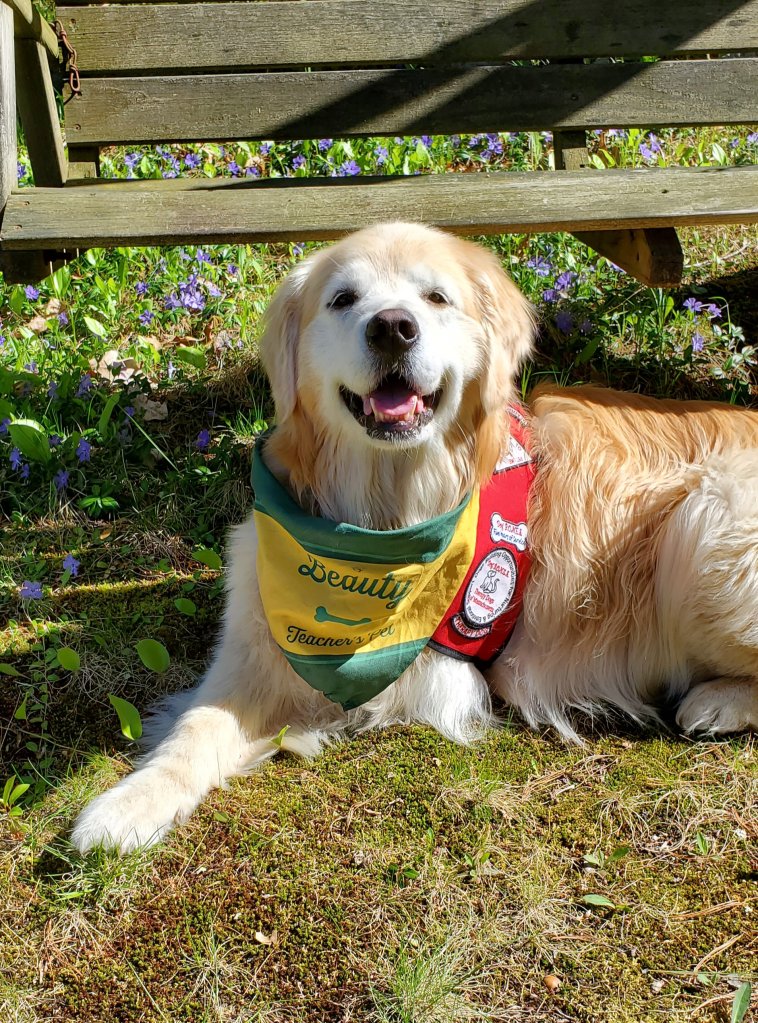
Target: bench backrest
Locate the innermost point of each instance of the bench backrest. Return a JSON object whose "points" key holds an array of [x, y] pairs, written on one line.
{"points": [[248, 69]]}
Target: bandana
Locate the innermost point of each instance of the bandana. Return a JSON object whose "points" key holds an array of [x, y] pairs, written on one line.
{"points": [[352, 608]]}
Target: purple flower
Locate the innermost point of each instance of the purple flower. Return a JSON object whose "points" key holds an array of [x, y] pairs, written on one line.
{"points": [[20, 171], [348, 169], [494, 144], [2, 340], [131, 160], [52, 389], [655, 145], [85, 384], [232, 269], [30, 591], [324, 144], [191, 161], [382, 155], [298, 249], [692, 305], [646, 151], [585, 327], [213, 291], [146, 317], [140, 288], [427, 140], [63, 319], [171, 301], [564, 322], [698, 341], [713, 311], [253, 171], [25, 471], [31, 292], [31, 367], [565, 280], [733, 143], [54, 440], [540, 265], [83, 450], [265, 148], [4, 426], [298, 162], [129, 411], [234, 168], [15, 458], [550, 295], [60, 480], [169, 174], [170, 370], [202, 256], [753, 138], [190, 295], [70, 564], [203, 440]]}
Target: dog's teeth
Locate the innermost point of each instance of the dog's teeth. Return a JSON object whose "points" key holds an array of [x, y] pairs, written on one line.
{"points": [[368, 406]]}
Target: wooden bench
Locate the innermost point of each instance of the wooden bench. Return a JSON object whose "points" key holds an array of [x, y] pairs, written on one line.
{"points": [[200, 71]]}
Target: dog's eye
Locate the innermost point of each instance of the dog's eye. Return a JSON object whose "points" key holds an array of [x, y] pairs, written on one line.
{"points": [[437, 298], [343, 300]]}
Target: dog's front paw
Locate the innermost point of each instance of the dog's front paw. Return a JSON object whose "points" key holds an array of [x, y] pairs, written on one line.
{"points": [[137, 813], [720, 706]]}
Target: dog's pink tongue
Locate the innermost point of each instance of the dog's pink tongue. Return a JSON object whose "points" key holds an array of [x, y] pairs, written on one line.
{"points": [[388, 403]]}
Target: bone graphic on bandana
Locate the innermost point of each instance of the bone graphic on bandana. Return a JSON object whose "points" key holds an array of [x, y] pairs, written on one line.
{"points": [[322, 615], [503, 531]]}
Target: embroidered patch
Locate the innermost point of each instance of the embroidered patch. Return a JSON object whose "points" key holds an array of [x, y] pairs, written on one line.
{"points": [[503, 531], [490, 588], [516, 456]]}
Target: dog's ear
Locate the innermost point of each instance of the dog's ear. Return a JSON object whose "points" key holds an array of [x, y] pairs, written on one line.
{"points": [[508, 320], [280, 339]]}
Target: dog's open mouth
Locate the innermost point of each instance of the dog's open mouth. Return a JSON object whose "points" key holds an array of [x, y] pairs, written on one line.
{"points": [[396, 408]]}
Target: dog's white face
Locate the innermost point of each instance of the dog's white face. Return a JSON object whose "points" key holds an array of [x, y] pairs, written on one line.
{"points": [[381, 337]]}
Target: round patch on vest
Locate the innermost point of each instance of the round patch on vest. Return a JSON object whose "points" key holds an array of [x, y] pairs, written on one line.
{"points": [[490, 588]]}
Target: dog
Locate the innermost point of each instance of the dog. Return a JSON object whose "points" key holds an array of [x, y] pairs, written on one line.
{"points": [[392, 357]]}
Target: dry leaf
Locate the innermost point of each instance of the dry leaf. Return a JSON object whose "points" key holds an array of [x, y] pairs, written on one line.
{"points": [[38, 324], [266, 940], [53, 307]]}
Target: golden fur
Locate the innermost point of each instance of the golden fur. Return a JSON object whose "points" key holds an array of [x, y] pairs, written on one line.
{"points": [[643, 524]]}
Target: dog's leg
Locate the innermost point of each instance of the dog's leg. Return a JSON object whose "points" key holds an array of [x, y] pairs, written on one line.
{"points": [[225, 728], [708, 595]]}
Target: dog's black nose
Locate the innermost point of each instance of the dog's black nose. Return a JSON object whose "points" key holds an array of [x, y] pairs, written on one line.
{"points": [[392, 332]]}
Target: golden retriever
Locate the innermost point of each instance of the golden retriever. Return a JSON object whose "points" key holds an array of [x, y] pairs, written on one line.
{"points": [[392, 357]]}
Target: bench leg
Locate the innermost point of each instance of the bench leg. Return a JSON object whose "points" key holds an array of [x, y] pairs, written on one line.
{"points": [[651, 254], [8, 174], [38, 111]]}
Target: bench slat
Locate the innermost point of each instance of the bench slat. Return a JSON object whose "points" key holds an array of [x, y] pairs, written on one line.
{"points": [[185, 211], [186, 37], [295, 105]]}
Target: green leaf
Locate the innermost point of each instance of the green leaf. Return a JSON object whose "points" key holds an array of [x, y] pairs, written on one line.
{"points": [[207, 557], [187, 607], [17, 300], [279, 737], [95, 326], [105, 415], [153, 655], [6, 409], [8, 669], [598, 900], [30, 439], [619, 852], [20, 712], [68, 658], [128, 717], [741, 1002], [193, 356]]}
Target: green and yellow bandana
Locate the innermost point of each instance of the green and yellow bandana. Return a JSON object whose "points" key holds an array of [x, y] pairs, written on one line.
{"points": [[352, 608]]}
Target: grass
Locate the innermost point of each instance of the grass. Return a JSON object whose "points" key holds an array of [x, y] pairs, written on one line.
{"points": [[400, 879]]}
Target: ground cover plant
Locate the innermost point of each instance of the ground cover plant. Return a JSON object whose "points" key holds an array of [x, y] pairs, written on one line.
{"points": [[401, 879]]}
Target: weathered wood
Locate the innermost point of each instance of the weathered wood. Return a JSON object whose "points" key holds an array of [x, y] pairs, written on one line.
{"points": [[172, 212], [190, 36], [286, 105], [83, 161], [8, 174], [22, 267], [29, 24], [570, 150], [38, 111], [652, 255]]}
